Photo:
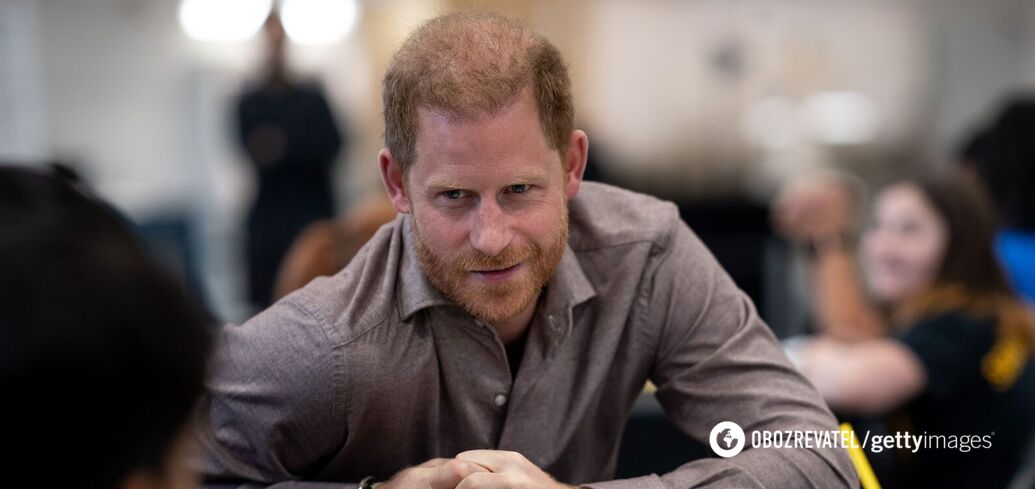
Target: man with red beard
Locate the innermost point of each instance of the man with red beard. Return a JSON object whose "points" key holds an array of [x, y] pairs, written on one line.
{"points": [[496, 334]]}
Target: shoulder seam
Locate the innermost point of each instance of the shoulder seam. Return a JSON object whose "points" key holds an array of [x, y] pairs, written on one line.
{"points": [[339, 406], [663, 239]]}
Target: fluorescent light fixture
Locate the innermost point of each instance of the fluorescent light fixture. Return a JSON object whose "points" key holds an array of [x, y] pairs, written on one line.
{"points": [[223, 20], [840, 118], [318, 22]]}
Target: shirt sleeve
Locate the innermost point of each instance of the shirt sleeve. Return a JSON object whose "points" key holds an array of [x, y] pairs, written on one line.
{"points": [[273, 410], [718, 361]]}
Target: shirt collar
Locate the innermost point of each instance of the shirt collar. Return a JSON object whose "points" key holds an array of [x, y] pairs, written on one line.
{"points": [[568, 286]]}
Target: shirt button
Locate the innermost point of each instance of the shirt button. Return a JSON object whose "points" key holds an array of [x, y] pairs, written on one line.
{"points": [[499, 400]]}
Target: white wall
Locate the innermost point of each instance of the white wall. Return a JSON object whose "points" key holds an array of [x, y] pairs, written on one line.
{"points": [[22, 124], [146, 115], [986, 50], [674, 118]]}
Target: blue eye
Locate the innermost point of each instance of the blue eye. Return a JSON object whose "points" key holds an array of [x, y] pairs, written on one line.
{"points": [[520, 189], [453, 194]]}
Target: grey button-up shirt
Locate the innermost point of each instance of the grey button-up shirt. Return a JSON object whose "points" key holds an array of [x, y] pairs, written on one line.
{"points": [[373, 370]]}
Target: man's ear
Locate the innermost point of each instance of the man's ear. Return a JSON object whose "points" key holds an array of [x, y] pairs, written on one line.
{"points": [[578, 152], [392, 175]]}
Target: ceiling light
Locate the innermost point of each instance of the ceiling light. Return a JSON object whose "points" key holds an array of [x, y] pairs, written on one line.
{"points": [[318, 22], [223, 20]]}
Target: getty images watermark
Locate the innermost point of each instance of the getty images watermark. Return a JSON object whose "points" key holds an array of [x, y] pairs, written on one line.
{"points": [[727, 439]]}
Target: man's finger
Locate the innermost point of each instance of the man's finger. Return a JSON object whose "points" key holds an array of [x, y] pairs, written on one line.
{"points": [[494, 460], [450, 473], [435, 462], [482, 480]]}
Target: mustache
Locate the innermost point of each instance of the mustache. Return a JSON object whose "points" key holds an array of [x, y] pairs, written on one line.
{"points": [[510, 256]]}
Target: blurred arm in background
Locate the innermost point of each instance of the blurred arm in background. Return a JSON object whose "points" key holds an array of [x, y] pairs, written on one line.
{"points": [[818, 214]]}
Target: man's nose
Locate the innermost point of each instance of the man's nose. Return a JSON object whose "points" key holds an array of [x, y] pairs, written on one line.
{"points": [[490, 233]]}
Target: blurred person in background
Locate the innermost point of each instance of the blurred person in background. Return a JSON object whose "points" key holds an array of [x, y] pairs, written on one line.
{"points": [[102, 353], [931, 335], [1002, 158], [326, 246], [291, 138]]}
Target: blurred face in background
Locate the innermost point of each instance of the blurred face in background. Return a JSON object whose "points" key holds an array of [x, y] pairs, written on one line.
{"points": [[903, 248], [489, 202], [275, 40]]}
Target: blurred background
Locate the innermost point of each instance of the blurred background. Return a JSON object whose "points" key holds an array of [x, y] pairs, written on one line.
{"points": [[169, 109], [713, 104]]}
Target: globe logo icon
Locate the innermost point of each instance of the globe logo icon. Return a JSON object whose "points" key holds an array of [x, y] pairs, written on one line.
{"points": [[727, 439]]}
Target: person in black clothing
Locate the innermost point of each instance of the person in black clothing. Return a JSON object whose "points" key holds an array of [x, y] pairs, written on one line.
{"points": [[292, 140], [954, 358], [1001, 157], [102, 351]]}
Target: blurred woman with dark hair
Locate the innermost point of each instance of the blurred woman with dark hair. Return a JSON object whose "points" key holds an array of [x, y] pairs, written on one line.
{"points": [[102, 352], [936, 338]]}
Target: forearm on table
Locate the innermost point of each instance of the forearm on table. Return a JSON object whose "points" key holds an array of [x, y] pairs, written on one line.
{"points": [[867, 378]]}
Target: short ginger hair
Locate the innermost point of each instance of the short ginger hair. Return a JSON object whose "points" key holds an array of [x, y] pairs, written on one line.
{"points": [[471, 63]]}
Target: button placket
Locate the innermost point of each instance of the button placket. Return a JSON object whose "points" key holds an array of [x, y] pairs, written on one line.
{"points": [[500, 398]]}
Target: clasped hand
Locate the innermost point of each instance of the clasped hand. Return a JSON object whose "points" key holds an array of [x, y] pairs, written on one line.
{"points": [[476, 469]]}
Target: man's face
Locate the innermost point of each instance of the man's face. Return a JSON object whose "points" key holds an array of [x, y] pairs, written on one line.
{"points": [[489, 202]]}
